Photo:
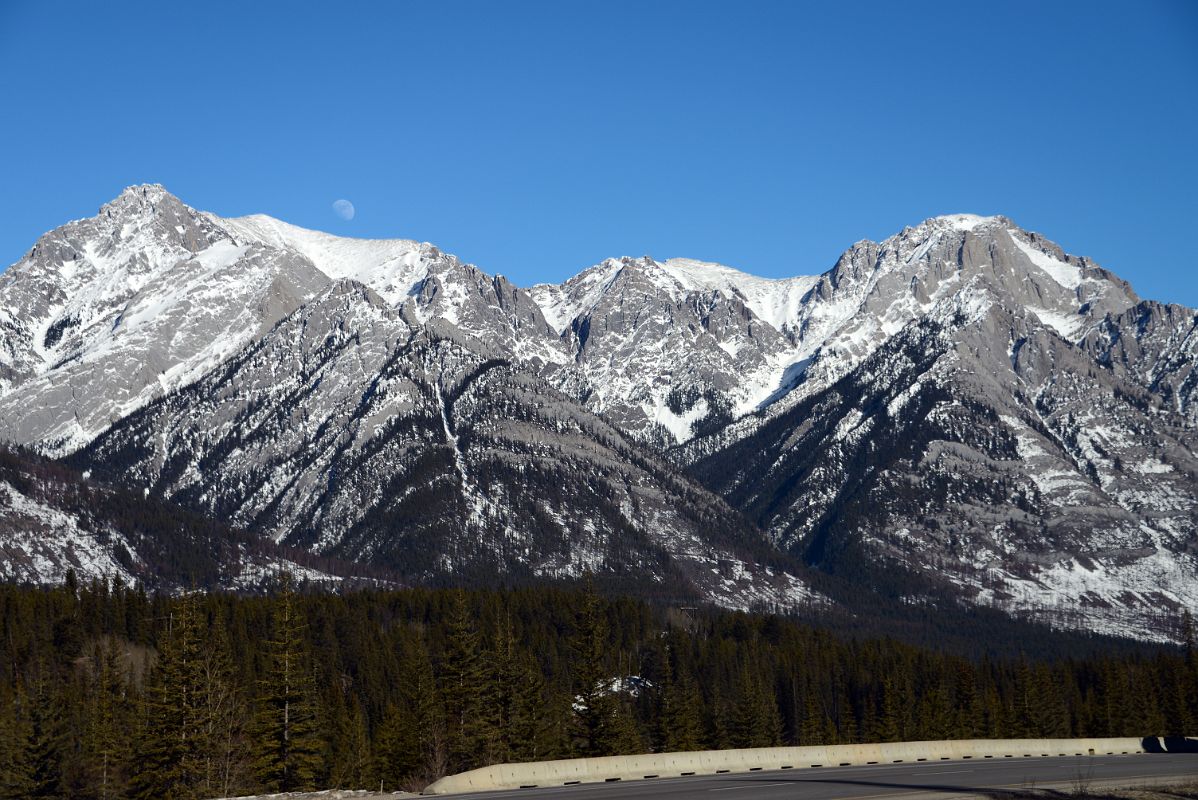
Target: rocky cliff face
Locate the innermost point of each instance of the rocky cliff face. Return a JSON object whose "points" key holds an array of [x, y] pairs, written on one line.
{"points": [[962, 407]]}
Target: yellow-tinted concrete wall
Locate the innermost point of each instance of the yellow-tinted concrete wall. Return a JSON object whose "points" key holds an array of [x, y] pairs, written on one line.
{"points": [[711, 762]]}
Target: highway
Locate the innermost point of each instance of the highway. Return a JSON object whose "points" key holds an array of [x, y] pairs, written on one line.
{"points": [[929, 779]]}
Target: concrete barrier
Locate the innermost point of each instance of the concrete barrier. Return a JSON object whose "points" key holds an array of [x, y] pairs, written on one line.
{"points": [[714, 762]]}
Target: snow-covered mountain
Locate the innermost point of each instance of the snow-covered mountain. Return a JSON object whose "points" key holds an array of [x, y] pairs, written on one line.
{"points": [[679, 348], [104, 314], [356, 431], [963, 403], [988, 412], [435, 284], [668, 349]]}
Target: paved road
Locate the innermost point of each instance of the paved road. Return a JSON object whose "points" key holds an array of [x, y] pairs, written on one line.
{"points": [[944, 778]]}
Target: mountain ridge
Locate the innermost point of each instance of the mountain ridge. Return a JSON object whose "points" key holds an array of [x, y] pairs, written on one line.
{"points": [[856, 412]]}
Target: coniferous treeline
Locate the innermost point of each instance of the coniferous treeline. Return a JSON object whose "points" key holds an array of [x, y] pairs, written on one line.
{"points": [[108, 692]]}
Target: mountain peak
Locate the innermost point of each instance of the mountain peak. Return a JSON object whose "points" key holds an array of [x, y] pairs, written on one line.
{"points": [[141, 198], [144, 189], [964, 222]]}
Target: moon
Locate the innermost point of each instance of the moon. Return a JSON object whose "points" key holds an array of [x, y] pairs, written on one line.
{"points": [[344, 209]]}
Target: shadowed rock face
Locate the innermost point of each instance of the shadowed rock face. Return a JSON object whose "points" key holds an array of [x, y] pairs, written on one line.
{"points": [[54, 519], [963, 404]]}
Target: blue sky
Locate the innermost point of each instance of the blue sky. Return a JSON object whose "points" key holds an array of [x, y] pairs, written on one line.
{"points": [[535, 139]]}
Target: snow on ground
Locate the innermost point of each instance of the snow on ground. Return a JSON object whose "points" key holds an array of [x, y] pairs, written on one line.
{"points": [[561, 304], [1066, 275], [256, 571], [631, 685], [679, 425], [40, 543], [1116, 599], [555, 305], [392, 267], [1152, 466], [1063, 485], [964, 222], [1069, 326], [776, 301]]}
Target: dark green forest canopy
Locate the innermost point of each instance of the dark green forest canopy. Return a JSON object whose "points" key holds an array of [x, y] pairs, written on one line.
{"points": [[106, 691]]}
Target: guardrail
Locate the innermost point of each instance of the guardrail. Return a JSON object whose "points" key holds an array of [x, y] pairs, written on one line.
{"points": [[714, 762]]}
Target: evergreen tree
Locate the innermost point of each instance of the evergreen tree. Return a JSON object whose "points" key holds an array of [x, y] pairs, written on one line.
{"points": [[665, 699], [1151, 716], [1179, 699], [350, 757], [936, 712], [843, 720], [603, 721], [994, 722], [1116, 706], [755, 720], [719, 722], [16, 748], [48, 744], [287, 749], [1188, 684], [522, 718], [168, 752], [589, 654], [968, 720], [1050, 716], [105, 740], [1024, 702], [680, 727], [816, 728], [410, 744], [890, 712], [396, 750], [86, 672], [469, 692]]}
